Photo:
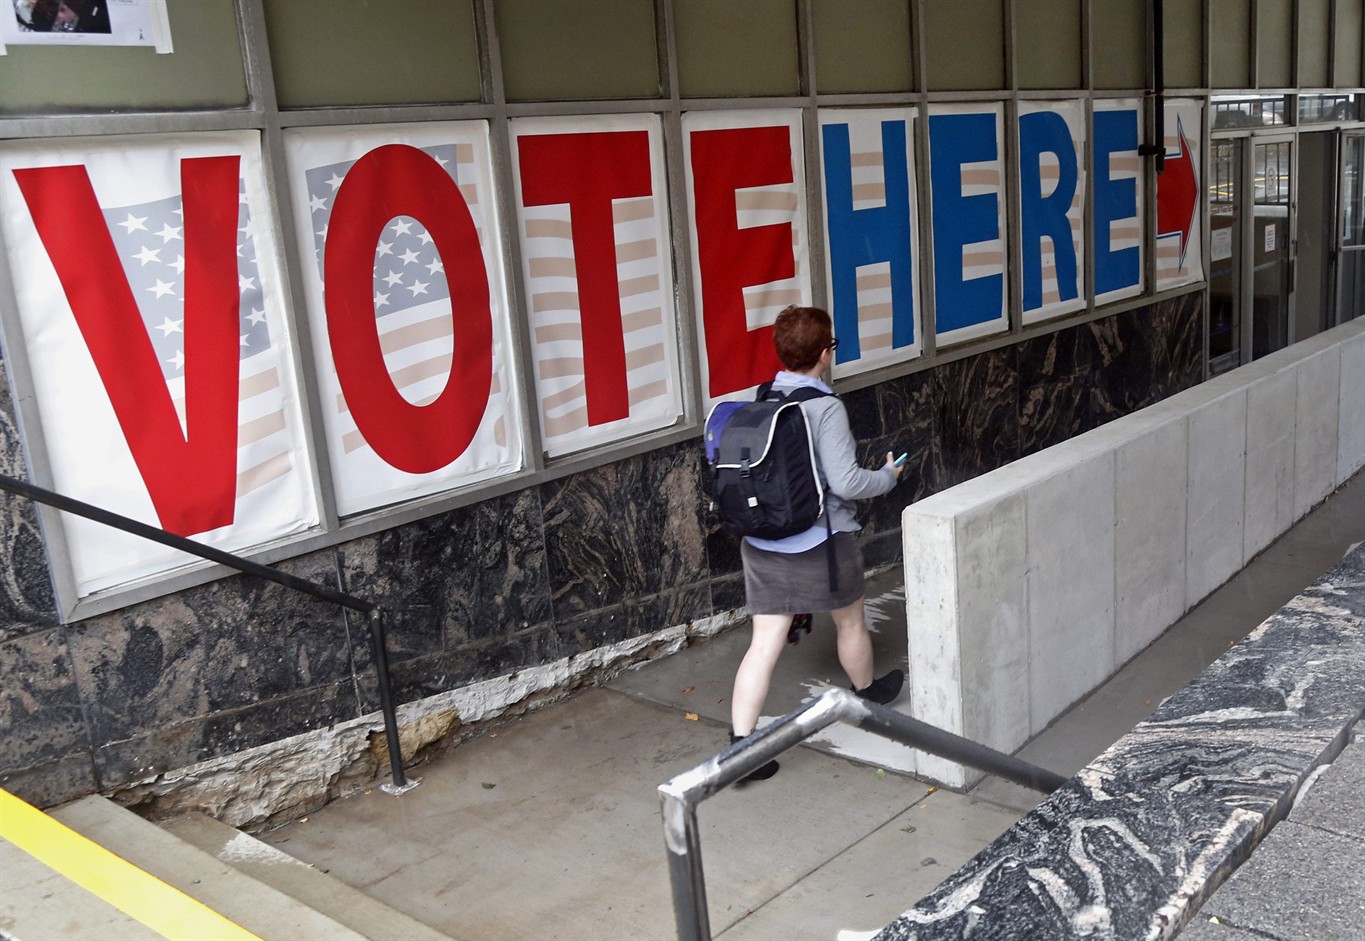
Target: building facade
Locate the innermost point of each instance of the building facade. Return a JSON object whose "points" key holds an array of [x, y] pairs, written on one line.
{"points": [[456, 288]]}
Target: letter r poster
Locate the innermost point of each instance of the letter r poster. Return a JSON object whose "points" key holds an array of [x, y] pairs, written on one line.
{"points": [[407, 307], [151, 311]]}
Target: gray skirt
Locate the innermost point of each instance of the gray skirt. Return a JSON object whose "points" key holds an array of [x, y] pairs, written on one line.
{"points": [[796, 582]]}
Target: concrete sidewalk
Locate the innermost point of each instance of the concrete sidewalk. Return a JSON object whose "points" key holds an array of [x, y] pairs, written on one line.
{"points": [[550, 828]]}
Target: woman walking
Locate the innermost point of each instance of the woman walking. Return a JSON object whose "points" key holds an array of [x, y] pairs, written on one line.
{"points": [[785, 577]]}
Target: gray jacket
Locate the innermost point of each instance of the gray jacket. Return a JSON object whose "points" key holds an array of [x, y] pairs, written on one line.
{"points": [[835, 452]]}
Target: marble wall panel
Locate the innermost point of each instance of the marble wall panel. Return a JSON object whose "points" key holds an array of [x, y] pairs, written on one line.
{"points": [[1351, 444], [418, 677], [1149, 536], [1217, 484], [903, 422], [1156, 351], [1070, 585], [977, 402], [220, 646], [1270, 460], [27, 602], [1315, 429], [626, 529], [1057, 385], [198, 738], [472, 574], [41, 718], [53, 782]]}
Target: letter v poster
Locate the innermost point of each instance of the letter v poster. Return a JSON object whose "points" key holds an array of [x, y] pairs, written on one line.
{"points": [[149, 301]]}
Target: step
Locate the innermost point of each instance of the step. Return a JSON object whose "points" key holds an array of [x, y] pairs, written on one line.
{"points": [[260, 909], [321, 892], [37, 902]]}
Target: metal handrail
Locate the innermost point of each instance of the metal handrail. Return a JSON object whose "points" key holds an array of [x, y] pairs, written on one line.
{"points": [[373, 613], [680, 796]]}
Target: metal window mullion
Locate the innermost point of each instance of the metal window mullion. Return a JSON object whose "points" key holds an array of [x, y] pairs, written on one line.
{"points": [[275, 169], [813, 165], [1014, 219], [925, 273], [32, 440], [1247, 212], [684, 291], [521, 356]]}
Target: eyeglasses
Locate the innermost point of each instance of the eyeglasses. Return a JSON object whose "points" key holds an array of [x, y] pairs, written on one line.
{"points": [[834, 343]]}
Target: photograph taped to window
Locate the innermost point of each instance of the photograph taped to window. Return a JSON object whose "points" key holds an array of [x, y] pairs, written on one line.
{"points": [[84, 22]]}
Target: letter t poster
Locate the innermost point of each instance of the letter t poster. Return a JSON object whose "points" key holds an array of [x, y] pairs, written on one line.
{"points": [[151, 315]]}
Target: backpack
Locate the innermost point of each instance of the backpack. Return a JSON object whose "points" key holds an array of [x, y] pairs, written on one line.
{"points": [[764, 478]]}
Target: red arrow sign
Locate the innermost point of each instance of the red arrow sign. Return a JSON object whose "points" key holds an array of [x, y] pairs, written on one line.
{"points": [[1177, 194]]}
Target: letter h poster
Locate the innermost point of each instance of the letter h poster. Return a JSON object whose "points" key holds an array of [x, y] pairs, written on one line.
{"points": [[407, 306], [151, 315]]}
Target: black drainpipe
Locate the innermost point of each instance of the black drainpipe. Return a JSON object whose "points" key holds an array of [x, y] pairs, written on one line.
{"points": [[1157, 148]]}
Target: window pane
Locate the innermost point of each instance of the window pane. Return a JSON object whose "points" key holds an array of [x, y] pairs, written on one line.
{"points": [[1183, 28], [1274, 35], [1231, 33], [1048, 43], [1247, 110], [378, 53], [1118, 33], [1324, 109], [727, 48], [205, 71], [863, 47], [1350, 27], [1315, 17], [964, 45], [565, 49]]}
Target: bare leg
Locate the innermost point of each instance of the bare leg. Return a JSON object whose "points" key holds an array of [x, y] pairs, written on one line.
{"points": [[854, 644], [756, 670]]}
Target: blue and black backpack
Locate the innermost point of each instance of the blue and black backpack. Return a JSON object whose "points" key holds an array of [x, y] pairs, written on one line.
{"points": [[765, 481]]}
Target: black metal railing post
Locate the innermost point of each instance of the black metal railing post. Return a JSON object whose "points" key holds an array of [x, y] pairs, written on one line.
{"points": [[373, 613]]}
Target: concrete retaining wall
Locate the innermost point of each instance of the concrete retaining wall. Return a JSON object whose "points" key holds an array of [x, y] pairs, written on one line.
{"points": [[1030, 585]]}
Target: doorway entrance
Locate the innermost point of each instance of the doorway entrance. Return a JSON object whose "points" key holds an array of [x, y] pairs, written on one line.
{"points": [[1251, 249]]}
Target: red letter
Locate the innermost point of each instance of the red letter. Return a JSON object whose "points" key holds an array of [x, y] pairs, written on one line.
{"points": [[398, 180], [191, 476], [731, 258], [588, 171]]}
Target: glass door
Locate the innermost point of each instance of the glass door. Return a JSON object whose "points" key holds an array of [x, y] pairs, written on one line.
{"points": [[1225, 254], [1272, 245], [1351, 290]]}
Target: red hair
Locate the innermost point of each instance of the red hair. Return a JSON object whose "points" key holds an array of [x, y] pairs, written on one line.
{"points": [[801, 334]]}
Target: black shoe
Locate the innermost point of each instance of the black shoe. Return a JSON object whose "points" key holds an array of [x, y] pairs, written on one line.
{"points": [[763, 773], [882, 691], [800, 622]]}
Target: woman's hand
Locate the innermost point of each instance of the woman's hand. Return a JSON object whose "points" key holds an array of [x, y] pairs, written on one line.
{"points": [[892, 465]]}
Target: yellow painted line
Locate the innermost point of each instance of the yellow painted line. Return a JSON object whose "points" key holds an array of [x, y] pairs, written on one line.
{"points": [[138, 894]]}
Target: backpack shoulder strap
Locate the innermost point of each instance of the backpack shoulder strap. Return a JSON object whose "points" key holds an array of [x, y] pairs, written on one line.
{"points": [[805, 394]]}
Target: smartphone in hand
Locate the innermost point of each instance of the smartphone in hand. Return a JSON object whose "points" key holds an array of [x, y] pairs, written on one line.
{"points": [[900, 461]]}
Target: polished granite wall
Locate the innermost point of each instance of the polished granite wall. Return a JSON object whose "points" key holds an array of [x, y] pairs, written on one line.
{"points": [[531, 577]]}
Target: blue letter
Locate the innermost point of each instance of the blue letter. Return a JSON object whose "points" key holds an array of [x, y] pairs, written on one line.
{"points": [[1115, 200], [1046, 132], [954, 140], [867, 236]]}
